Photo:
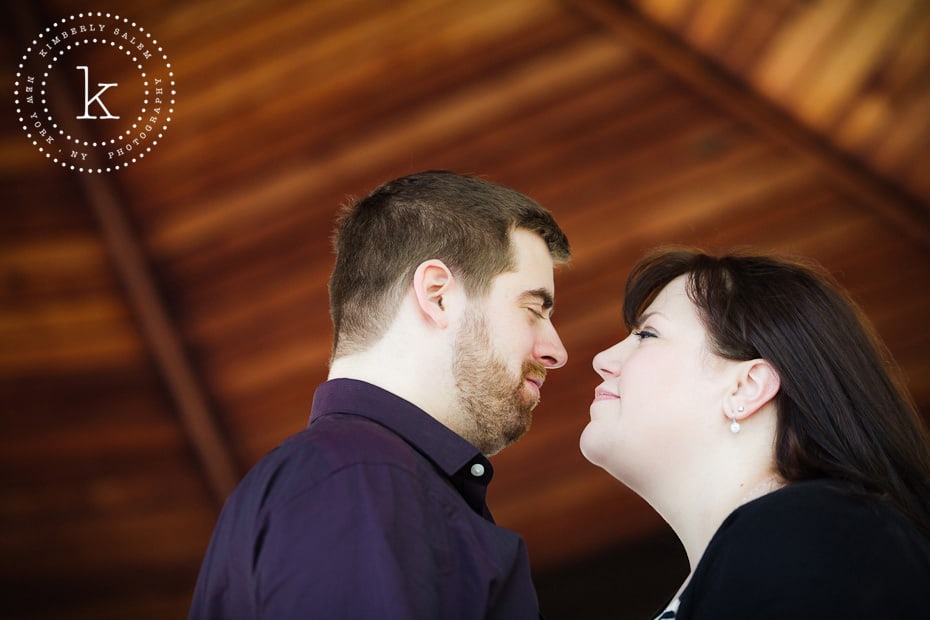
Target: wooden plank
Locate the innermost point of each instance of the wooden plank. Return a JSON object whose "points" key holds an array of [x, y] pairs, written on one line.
{"points": [[840, 73], [893, 204], [146, 300], [790, 52], [712, 24]]}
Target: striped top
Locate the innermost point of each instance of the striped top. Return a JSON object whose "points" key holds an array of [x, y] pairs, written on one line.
{"points": [[669, 611]]}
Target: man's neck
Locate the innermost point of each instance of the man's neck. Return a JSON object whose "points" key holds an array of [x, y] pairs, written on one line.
{"points": [[425, 385]]}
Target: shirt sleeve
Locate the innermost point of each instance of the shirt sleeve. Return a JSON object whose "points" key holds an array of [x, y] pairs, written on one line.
{"points": [[370, 541]]}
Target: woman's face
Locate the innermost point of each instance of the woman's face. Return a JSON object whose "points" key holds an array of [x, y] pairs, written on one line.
{"points": [[662, 396]]}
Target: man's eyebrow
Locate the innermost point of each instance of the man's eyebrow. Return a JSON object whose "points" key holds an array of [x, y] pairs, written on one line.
{"points": [[543, 295]]}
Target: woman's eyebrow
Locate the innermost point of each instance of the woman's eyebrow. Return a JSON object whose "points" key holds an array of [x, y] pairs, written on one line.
{"points": [[645, 316]]}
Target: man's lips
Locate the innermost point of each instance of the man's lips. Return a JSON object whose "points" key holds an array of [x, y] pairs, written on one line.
{"points": [[604, 394], [537, 381]]}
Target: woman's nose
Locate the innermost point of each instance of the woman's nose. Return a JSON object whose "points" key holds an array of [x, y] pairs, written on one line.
{"points": [[607, 363]]}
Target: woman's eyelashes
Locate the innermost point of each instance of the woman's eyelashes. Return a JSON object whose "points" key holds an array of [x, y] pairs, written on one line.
{"points": [[642, 334]]}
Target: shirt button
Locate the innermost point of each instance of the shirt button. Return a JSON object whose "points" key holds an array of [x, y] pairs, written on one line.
{"points": [[477, 470]]}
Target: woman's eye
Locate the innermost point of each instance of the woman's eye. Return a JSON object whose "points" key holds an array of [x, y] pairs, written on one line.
{"points": [[536, 313], [642, 334]]}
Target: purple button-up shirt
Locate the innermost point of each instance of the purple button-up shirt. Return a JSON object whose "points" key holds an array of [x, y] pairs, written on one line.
{"points": [[376, 510]]}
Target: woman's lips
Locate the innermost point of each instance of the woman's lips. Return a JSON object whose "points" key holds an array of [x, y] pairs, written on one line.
{"points": [[604, 394]]}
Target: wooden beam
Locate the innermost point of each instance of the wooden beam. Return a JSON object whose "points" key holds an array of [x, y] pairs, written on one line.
{"points": [[161, 334], [907, 213]]}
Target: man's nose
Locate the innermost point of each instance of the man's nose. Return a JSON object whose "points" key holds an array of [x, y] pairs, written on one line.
{"points": [[550, 351]]}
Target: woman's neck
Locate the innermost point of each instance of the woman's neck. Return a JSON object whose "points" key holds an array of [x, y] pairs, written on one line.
{"points": [[696, 528]]}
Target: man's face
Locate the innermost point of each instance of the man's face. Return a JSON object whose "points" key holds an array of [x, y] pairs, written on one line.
{"points": [[504, 347]]}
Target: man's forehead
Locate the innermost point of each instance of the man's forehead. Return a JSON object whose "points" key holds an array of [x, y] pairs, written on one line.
{"points": [[532, 273]]}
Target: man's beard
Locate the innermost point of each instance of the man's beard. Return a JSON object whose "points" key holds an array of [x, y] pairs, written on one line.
{"points": [[494, 403]]}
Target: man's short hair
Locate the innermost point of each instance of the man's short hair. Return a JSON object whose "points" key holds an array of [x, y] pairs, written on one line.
{"points": [[381, 239]]}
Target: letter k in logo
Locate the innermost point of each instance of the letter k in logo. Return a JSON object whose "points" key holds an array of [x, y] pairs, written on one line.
{"points": [[96, 97]]}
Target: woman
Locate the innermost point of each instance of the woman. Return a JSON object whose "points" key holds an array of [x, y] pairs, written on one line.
{"points": [[752, 407]]}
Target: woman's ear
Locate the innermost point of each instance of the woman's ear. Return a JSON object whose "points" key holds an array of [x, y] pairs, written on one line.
{"points": [[757, 383], [431, 281]]}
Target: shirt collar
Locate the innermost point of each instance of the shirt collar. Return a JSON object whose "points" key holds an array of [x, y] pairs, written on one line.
{"points": [[452, 454]]}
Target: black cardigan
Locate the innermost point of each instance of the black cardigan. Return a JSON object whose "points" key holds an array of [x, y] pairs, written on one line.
{"points": [[812, 550]]}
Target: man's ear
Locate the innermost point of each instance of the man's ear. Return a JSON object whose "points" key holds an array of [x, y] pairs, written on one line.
{"points": [[756, 384], [431, 281]]}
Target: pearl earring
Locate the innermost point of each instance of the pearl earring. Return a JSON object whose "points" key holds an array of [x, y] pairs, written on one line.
{"points": [[734, 425]]}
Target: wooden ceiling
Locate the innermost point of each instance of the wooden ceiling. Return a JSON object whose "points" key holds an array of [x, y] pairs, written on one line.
{"points": [[163, 326]]}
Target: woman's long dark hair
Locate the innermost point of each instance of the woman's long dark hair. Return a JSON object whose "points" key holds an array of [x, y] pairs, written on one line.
{"points": [[843, 413]]}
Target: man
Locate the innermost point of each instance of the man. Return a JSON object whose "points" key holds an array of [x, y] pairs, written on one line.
{"points": [[441, 299]]}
